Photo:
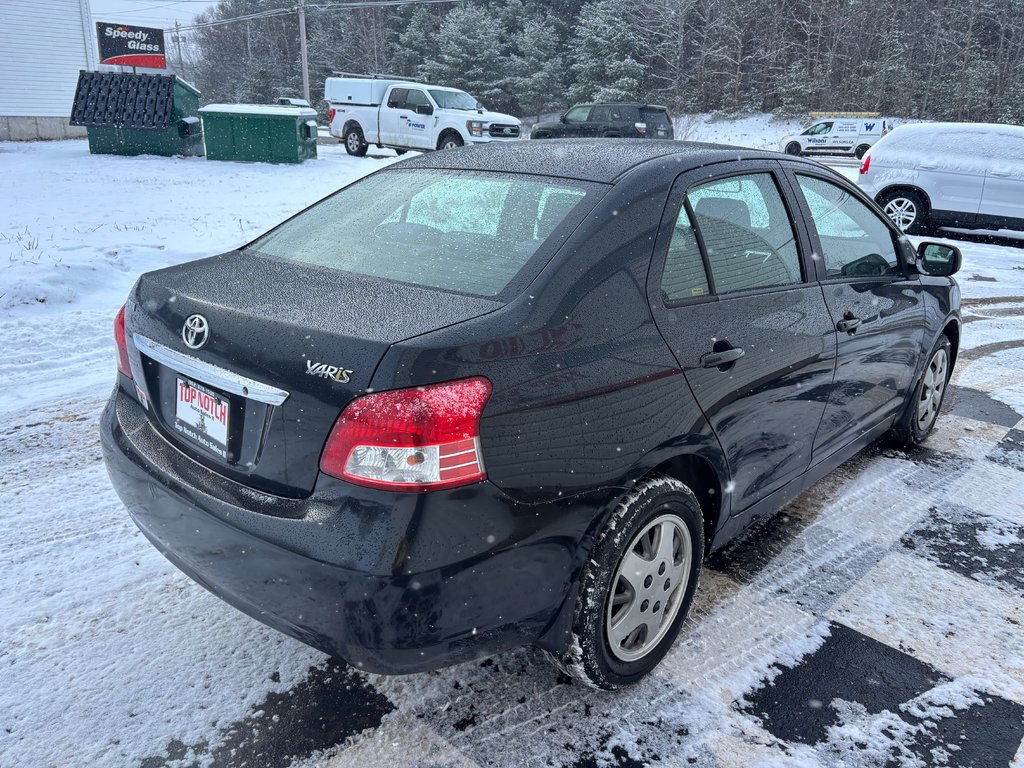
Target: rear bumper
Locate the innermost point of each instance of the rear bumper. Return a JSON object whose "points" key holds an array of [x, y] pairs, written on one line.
{"points": [[391, 583]]}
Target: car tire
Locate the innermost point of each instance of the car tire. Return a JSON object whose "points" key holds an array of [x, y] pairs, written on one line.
{"points": [[794, 148], [450, 140], [400, 152], [541, 135], [926, 399], [861, 151], [355, 143], [907, 209], [614, 642]]}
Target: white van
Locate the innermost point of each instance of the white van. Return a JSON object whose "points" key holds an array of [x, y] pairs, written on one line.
{"points": [[837, 136], [403, 116]]}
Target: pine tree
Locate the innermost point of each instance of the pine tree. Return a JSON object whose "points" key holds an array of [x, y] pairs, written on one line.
{"points": [[606, 52], [538, 65]]}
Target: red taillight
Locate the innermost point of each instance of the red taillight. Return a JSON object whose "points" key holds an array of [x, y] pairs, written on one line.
{"points": [[421, 439], [330, 120], [123, 365], [865, 165]]}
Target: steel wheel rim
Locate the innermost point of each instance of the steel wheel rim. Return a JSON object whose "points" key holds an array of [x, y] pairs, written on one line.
{"points": [[450, 144], [353, 141], [932, 388], [902, 211], [648, 587]]}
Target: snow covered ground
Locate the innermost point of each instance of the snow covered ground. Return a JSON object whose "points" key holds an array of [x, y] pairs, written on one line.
{"points": [[880, 617]]}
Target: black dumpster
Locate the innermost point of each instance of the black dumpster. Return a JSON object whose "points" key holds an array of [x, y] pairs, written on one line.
{"points": [[126, 114]]}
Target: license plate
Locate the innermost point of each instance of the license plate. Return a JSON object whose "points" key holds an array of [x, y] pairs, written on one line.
{"points": [[202, 416]]}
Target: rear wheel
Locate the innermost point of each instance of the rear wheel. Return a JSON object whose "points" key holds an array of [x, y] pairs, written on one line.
{"points": [[638, 584], [907, 209], [793, 148], [861, 151], [449, 140], [923, 408], [355, 144]]}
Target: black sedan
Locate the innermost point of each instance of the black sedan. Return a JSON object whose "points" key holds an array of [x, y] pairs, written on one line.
{"points": [[515, 394]]}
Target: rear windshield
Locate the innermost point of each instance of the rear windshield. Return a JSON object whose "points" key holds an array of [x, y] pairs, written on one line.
{"points": [[458, 231]]}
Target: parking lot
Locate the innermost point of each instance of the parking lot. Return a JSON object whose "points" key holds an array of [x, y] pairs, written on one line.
{"points": [[878, 620]]}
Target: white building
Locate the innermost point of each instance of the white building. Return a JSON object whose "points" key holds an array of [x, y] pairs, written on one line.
{"points": [[43, 46]]}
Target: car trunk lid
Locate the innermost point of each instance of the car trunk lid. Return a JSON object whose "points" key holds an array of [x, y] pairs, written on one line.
{"points": [[286, 347]]}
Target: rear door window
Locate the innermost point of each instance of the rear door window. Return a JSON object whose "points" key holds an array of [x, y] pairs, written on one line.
{"points": [[459, 231], [747, 233], [855, 242], [684, 276], [396, 100], [654, 116]]}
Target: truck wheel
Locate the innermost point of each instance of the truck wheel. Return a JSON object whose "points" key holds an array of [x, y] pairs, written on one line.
{"points": [[861, 151], [907, 209], [637, 586], [793, 148], [400, 152], [449, 140], [355, 144]]}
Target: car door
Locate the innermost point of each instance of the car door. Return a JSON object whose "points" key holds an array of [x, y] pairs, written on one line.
{"points": [[1002, 202], [752, 335], [390, 113], [816, 138], [843, 135], [416, 126], [575, 122], [875, 304]]}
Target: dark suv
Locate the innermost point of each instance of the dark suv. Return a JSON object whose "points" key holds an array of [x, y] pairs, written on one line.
{"points": [[627, 121], [514, 394]]}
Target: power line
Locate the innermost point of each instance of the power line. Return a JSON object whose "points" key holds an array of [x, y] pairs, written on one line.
{"points": [[322, 7]]}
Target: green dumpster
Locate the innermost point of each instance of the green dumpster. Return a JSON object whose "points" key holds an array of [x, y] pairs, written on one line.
{"points": [[127, 114], [262, 133]]}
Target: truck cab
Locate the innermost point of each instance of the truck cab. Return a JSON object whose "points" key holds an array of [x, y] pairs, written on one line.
{"points": [[406, 115], [837, 135]]}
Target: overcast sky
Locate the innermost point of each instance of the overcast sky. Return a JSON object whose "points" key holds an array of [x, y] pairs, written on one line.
{"points": [[148, 13]]}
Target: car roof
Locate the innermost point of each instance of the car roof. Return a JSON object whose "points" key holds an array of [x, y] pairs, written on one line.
{"points": [[600, 160], [619, 104]]}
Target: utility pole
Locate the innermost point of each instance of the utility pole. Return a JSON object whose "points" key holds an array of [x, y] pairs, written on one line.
{"points": [[177, 40], [302, 50]]}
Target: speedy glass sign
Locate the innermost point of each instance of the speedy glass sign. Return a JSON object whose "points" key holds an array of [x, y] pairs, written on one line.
{"points": [[131, 46]]}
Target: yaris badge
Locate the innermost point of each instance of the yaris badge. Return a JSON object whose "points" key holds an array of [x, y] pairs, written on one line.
{"points": [[195, 332]]}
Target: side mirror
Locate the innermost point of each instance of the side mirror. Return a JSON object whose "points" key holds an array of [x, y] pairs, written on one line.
{"points": [[938, 259], [561, 118], [424, 109]]}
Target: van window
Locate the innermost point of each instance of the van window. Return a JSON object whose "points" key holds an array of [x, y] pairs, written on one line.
{"points": [[747, 233], [854, 241], [460, 231], [818, 129]]}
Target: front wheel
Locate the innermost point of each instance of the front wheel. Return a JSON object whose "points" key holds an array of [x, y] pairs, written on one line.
{"points": [[450, 140], [793, 148], [637, 586], [923, 408], [355, 144]]}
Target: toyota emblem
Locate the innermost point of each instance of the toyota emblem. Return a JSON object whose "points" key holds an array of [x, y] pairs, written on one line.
{"points": [[195, 332]]}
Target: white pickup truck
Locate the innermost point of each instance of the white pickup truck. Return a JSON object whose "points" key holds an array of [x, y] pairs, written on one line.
{"points": [[403, 116]]}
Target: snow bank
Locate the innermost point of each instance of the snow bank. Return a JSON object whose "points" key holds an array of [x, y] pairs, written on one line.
{"points": [[78, 229], [761, 131]]}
